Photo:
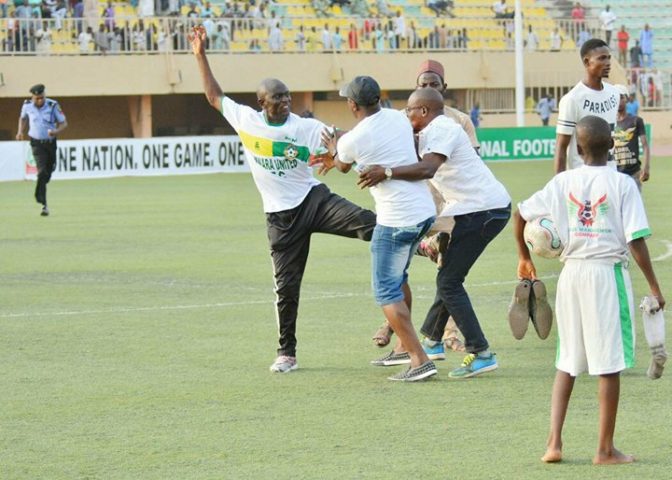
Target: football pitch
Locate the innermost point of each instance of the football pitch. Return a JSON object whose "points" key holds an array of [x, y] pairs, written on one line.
{"points": [[137, 327]]}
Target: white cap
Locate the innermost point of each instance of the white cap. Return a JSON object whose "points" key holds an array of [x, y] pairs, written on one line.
{"points": [[622, 89]]}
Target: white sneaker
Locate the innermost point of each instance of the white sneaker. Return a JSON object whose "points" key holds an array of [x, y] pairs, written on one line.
{"points": [[284, 364]]}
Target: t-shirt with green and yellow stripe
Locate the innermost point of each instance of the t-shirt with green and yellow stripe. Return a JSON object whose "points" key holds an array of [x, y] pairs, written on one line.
{"points": [[277, 154]]}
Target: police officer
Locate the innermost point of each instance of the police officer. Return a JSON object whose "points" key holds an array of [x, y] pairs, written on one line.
{"points": [[46, 121]]}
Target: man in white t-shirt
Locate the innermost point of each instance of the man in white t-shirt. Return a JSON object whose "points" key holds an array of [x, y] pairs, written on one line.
{"points": [[278, 145], [591, 96], [608, 23], [481, 208], [599, 216], [405, 212]]}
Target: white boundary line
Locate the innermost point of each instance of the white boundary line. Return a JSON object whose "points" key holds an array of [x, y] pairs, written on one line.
{"points": [[665, 255], [69, 313]]}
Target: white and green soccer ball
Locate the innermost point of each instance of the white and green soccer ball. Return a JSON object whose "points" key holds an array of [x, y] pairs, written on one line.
{"points": [[542, 238]]}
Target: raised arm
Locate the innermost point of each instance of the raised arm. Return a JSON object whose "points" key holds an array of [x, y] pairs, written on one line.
{"points": [[560, 159], [213, 91]]}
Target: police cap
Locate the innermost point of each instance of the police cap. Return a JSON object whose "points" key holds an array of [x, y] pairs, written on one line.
{"points": [[37, 89]]}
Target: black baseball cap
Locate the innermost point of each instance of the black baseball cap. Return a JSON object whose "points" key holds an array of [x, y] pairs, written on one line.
{"points": [[362, 90], [37, 89]]}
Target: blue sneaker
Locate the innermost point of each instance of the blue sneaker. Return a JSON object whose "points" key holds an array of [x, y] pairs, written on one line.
{"points": [[473, 365], [437, 352]]}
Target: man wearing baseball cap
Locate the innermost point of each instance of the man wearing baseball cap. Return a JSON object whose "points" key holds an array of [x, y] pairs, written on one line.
{"points": [[404, 212]]}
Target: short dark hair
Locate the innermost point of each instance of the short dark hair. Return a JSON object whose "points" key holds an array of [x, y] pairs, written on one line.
{"points": [[591, 45]]}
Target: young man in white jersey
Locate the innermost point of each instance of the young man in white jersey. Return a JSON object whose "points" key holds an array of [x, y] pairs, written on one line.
{"points": [[405, 210], [599, 215], [480, 206], [591, 96], [277, 146]]}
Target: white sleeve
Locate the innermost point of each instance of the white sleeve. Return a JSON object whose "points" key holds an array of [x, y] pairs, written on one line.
{"points": [[233, 111], [635, 223], [539, 204], [442, 142], [566, 116], [313, 133], [347, 152]]}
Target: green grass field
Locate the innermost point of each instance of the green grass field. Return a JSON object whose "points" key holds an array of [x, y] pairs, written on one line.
{"points": [[137, 327]]}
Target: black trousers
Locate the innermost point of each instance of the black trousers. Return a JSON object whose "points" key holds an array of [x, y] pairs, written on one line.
{"points": [[289, 235], [44, 153], [471, 234]]}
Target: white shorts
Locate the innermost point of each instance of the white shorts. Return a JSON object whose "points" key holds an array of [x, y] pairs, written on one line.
{"points": [[594, 308]]}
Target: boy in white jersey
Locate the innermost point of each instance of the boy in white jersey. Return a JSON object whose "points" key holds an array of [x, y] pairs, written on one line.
{"points": [[405, 210], [599, 215], [591, 96], [278, 145]]}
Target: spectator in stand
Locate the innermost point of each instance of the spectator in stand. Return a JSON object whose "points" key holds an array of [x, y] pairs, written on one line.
{"points": [[59, 13], [646, 44], [300, 40], [85, 39], [440, 7], [353, 38], [312, 40], [608, 21], [3, 8], [192, 12], [545, 107], [43, 37], [108, 15], [326, 38], [399, 28], [379, 38], [584, 36], [275, 40], [555, 40], [337, 40], [532, 41], [636, 55], [223, 36], [500, 9], [623, 38], [101, 40], [389, 34], [578, 18], [206, 11], [475, 115], [412, 39], [657, 77], [116, 40], [632, 107]]}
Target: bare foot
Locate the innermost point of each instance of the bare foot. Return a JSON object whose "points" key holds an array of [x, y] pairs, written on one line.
{"points": [[552, 455], [613, 458]]}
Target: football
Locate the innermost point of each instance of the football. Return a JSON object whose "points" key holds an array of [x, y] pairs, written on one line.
{"points": [[542, 238]]}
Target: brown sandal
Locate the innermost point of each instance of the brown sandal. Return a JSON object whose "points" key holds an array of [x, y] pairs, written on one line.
{"points": [[383, 335]]}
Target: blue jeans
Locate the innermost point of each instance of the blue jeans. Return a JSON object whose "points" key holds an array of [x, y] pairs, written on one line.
{"points": [[471, 234], [391, 251]]}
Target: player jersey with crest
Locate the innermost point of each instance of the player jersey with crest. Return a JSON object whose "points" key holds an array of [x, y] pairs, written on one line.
{"points": [[597, 211], [277, 154], [580, 102]]}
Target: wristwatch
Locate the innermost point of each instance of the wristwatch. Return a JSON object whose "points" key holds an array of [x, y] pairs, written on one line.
{"points": [[388, 173]]}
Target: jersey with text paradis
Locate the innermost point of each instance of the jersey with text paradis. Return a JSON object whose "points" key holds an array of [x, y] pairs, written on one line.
{"points": [[597, 211], [582, 101], [277, 154]]}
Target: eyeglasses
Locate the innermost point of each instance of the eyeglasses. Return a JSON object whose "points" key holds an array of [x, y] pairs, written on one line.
{"points": [[410, 109]]}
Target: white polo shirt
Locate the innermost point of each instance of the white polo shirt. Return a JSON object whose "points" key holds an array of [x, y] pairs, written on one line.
{"points": [[464, 181], [386, 139]]}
